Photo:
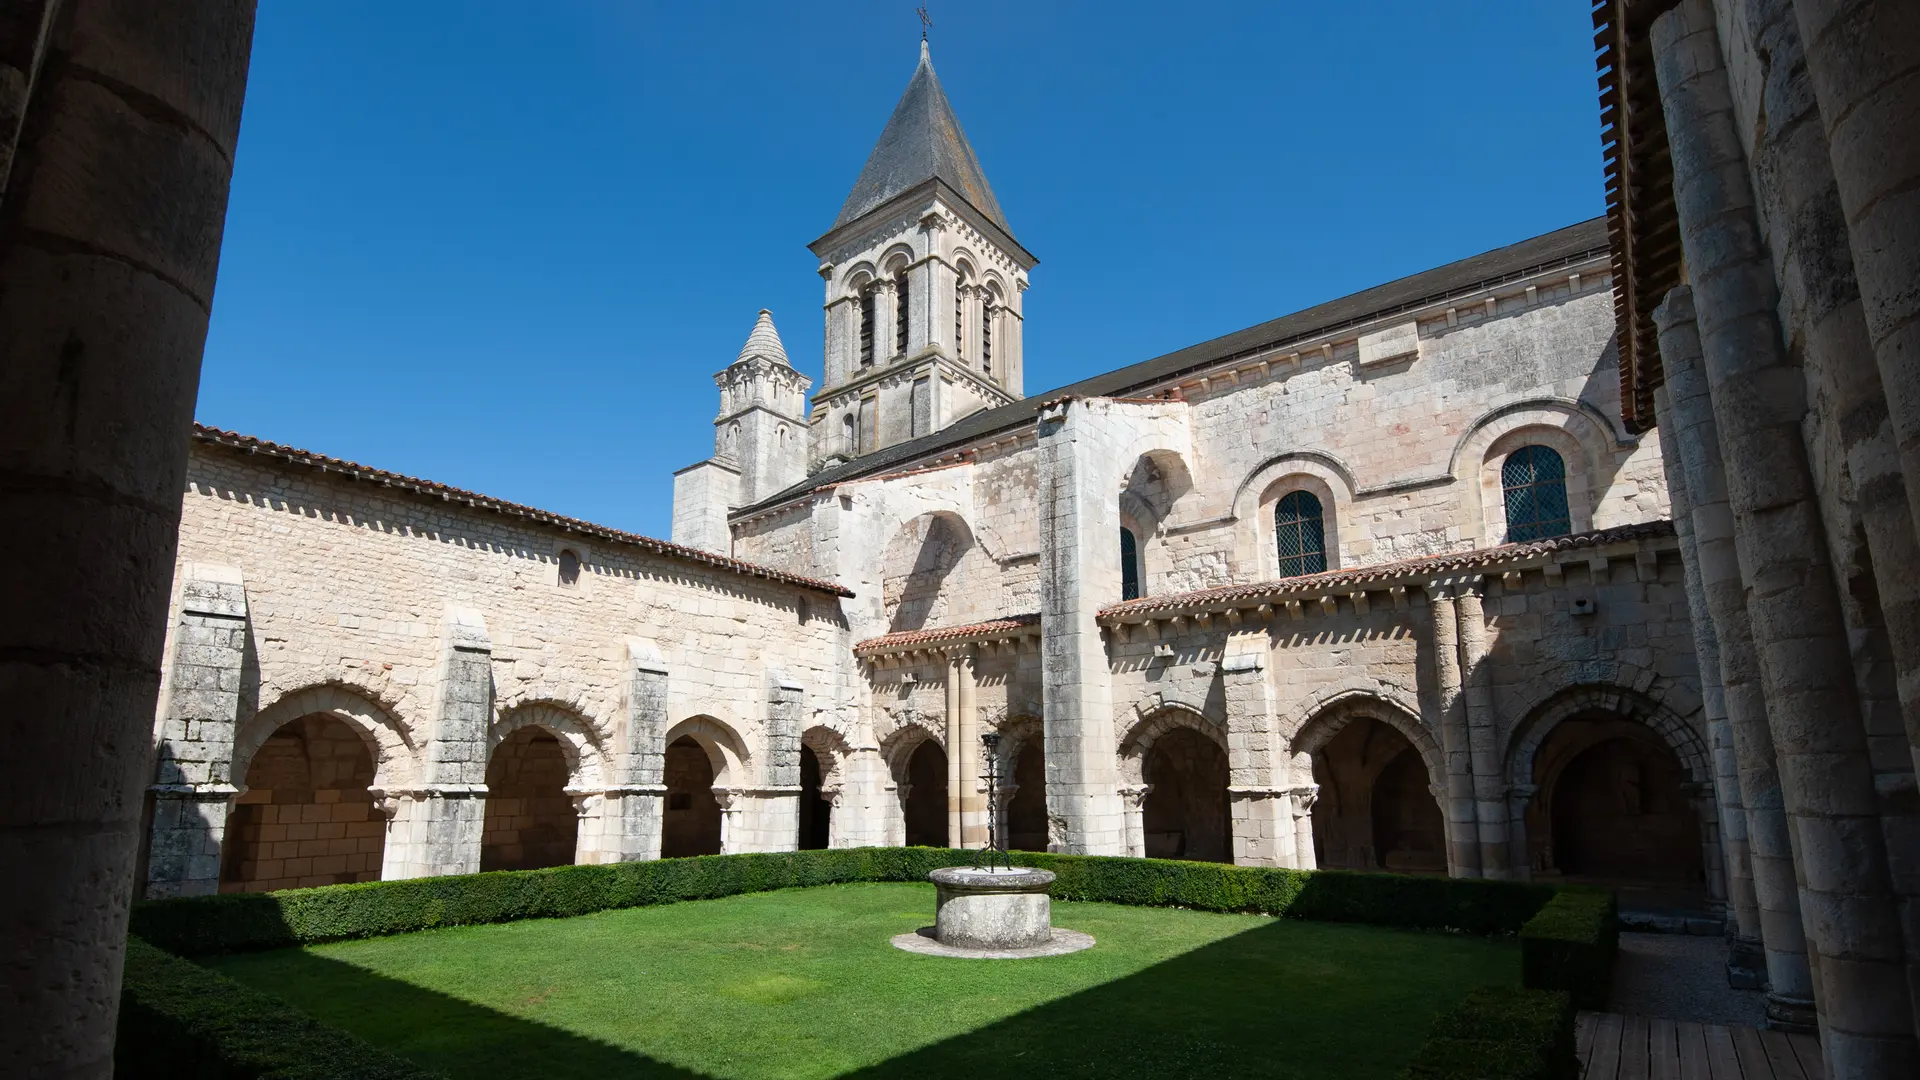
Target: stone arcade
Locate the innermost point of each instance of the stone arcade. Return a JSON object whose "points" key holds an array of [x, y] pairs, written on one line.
{"points": [[1392, 582]]}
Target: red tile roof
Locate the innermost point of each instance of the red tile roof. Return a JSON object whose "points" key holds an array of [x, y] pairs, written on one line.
{"points": [[992, 628], [1420, 567], [247, 444]]}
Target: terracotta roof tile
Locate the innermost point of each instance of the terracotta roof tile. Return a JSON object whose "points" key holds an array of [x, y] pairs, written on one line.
{"points": [[248, 444], [990, 628]]}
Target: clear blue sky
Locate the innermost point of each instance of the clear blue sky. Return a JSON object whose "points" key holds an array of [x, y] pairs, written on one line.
{"points": [[506, 245]]}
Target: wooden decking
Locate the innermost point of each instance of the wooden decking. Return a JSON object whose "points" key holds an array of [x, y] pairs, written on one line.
{"points": [[1615, 1047]]}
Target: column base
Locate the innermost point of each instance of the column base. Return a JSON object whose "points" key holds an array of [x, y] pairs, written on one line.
{"points": [[1746, 964], [1792, 1015]]}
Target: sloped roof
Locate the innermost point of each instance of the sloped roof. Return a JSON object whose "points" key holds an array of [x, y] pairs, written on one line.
{"points": [[922, 140], [1562, 247], [764, 341]]}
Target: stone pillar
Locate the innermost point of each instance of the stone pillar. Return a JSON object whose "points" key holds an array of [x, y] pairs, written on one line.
{"points": [[193, 787], [1303, 800], [883, 316], [972, 796], [121, 121], [1519, 797], [1133, 801], [1261, 813], [1489, 790], [1769, 846], [1463, 832], [1746, 959], [436, 830], [955, 763], [866, 805], [780, 806], [1860, 54], [1079, 571], [1847, 899], [623, 822], [1804, 222]]}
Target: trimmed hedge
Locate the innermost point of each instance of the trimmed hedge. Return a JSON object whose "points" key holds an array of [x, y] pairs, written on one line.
{"points": [[1570, 945], [177, 1019], [245, 921], [1500, 1033]]}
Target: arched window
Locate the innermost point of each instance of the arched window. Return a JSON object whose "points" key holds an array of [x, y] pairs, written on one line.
{"points": [[960, 314], [900, 313], [986, 337], [1535, 481], [1129, 565], [850, 444], [866, 326], [569, 569], [1300, 533]]}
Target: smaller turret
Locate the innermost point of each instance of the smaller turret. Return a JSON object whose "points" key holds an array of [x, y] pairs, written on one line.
{"points": [[759, 441]]}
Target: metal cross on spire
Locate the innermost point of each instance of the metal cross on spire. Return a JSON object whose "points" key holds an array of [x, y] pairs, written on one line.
{"points": [[926, 21]]}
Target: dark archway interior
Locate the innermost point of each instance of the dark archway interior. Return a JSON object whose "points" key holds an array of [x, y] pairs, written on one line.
{"points": [[1375, 810], [1026, 828], [692, 820], [531, 821], [306, 817], [1616, 808], [926, 807], [815, 811], [1185, 814]]}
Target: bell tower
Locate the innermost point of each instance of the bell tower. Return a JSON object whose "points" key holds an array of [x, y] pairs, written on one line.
{"points": [[923, 287]]}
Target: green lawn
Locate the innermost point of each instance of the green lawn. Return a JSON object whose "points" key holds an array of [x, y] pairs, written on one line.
{"points": [[802, 983]]}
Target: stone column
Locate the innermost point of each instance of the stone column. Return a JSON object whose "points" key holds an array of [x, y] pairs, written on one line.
{"points": [[968, 752], [1463, 832], [1079, 571], [1746, 959], [1860, 54], [955, 762], [121, 121], [1803, 220], [1846, 897], [1303, 800], [1133, 801], [883, 316], [780, 805], [1260, 813], [1489, 790], [193, 787], [1519, 797], [1769, 847]]}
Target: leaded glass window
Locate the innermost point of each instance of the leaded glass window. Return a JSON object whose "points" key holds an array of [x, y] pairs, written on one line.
{"points": [[1300, 533], [1535, 480], [1129, 566]]}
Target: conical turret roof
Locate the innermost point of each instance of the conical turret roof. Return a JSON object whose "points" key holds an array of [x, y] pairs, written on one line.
{"points": [[764, 341], [922, 140]]}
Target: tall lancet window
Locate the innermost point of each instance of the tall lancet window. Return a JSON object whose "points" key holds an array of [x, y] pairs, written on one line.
{"points": [[986, 337], [1535, 479], [900, 313], [866, 326], [960, 316], [1129, 565], [1301, 534]]}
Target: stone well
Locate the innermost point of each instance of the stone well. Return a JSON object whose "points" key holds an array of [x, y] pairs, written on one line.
{"points": [[998, 913]]}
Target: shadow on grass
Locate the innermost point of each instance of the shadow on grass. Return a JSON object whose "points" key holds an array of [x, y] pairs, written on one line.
{"points": [[1287, 999], [456, 1037]]}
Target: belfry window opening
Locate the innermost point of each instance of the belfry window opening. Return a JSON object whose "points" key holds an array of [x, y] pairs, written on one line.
{"points": [[1300, 534], [986, 337], [900, 314], [866, 326], [1129, 565], [960, 316], [1534, 480]]}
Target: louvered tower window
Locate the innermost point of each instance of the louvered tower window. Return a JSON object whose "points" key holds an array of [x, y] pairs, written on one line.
{"points": [[1129, 565], [986, 337], [1300, 532], [1535, 480], [900, 314], [866, 327], [960, 318]]}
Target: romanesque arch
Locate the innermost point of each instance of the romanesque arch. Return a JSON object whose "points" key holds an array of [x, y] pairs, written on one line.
{"points": [[1320, 474], [1612, 785], [704, 758], [1376, 768], [313, 767], [823, 755], [539, 754], [1022, 765], [1582, 436], [916, 756], [929, 571], [1176, 760]]}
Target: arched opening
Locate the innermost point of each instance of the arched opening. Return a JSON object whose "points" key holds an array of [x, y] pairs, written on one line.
{"points": [[1300, 534], [1185, 812], [692, 820], [1533, 480], [569, 571], [1026, 827], [1375, 810], [815, 811], [531, 821], [927, 574], [926, 806], [306, 817], [1129, 565], [1612, 808]]}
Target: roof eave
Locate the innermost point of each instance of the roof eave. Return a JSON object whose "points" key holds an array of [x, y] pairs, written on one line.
{"points": [[932, 186]]}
